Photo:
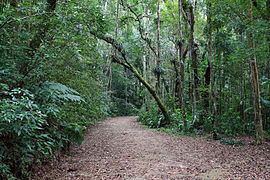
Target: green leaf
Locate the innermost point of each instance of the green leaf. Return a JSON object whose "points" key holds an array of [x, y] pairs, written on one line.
{"points": [[79, 138]]}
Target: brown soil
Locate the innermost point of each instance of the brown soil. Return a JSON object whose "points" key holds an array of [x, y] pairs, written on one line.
{"points": [[119, 148]]}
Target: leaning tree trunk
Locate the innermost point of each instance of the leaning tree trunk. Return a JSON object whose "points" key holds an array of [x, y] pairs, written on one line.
{"points": [[129, 66]]}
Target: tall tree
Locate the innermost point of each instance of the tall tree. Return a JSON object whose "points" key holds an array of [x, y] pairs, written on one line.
{"points": [[256, 89], [181, 58], [211, 74], [158, 69]]}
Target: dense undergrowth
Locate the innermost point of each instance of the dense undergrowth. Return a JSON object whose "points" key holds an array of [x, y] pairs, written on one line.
{"points": [[227, 126], [36, 124], [51, 84]]}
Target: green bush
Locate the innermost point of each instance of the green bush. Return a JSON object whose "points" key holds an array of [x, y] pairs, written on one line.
{"points": [[32, 126], [151, 117], [23, 137]]}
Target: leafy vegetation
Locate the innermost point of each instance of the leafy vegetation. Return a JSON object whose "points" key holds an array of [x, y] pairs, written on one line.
{"points": [[51, 84], [182, 65], [231, 141]]}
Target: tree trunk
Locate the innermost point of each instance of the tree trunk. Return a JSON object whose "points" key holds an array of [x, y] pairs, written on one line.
{"points": [[116, 22], [257, 103], [242, 101], [268, 19], [158, 72], [194, 58], [211, 71], [256, 89], [29, 25], [181, 58]]}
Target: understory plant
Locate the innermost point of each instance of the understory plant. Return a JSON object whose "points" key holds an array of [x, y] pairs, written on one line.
{"points": [[33, 127], [150, 116], [23, 135]]}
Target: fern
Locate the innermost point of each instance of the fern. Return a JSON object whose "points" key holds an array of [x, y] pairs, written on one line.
{"points": [[63, 92], [62, 89], [71, 97]]}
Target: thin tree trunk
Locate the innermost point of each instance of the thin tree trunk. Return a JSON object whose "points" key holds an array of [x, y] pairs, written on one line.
{"points": [[256, 89], [116, 22], [158, 48], [242, 103], [29, 25], [257, 103], [148, 53], [144, 50], [115, 52], [242, 87], [211, 72], [268, 19]]}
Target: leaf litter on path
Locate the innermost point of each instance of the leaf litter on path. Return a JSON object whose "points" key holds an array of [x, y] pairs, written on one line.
{"points": [[119, 148]]}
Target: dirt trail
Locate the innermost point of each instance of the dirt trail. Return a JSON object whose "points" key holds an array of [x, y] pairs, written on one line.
{"points": [[119, 148]]}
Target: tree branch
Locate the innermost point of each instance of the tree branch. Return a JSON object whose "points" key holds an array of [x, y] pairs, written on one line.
{"points": [[138, 19], [117, 60]]}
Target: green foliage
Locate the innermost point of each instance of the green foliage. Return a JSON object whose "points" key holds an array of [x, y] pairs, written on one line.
{"points": [[23, 137], [74, 131], [51, 81], [61, 92], [56, 79], [126, 98], [231, 141], [152, 117]]}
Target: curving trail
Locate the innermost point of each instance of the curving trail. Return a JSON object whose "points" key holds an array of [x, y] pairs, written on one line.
{"points": [[119, 148]]}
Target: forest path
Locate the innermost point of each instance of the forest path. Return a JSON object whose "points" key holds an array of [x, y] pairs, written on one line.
{"points": [[119, 148]]}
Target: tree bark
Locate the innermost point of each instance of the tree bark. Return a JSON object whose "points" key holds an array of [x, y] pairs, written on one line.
{"points": [[116, 22], [242, 100]]}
